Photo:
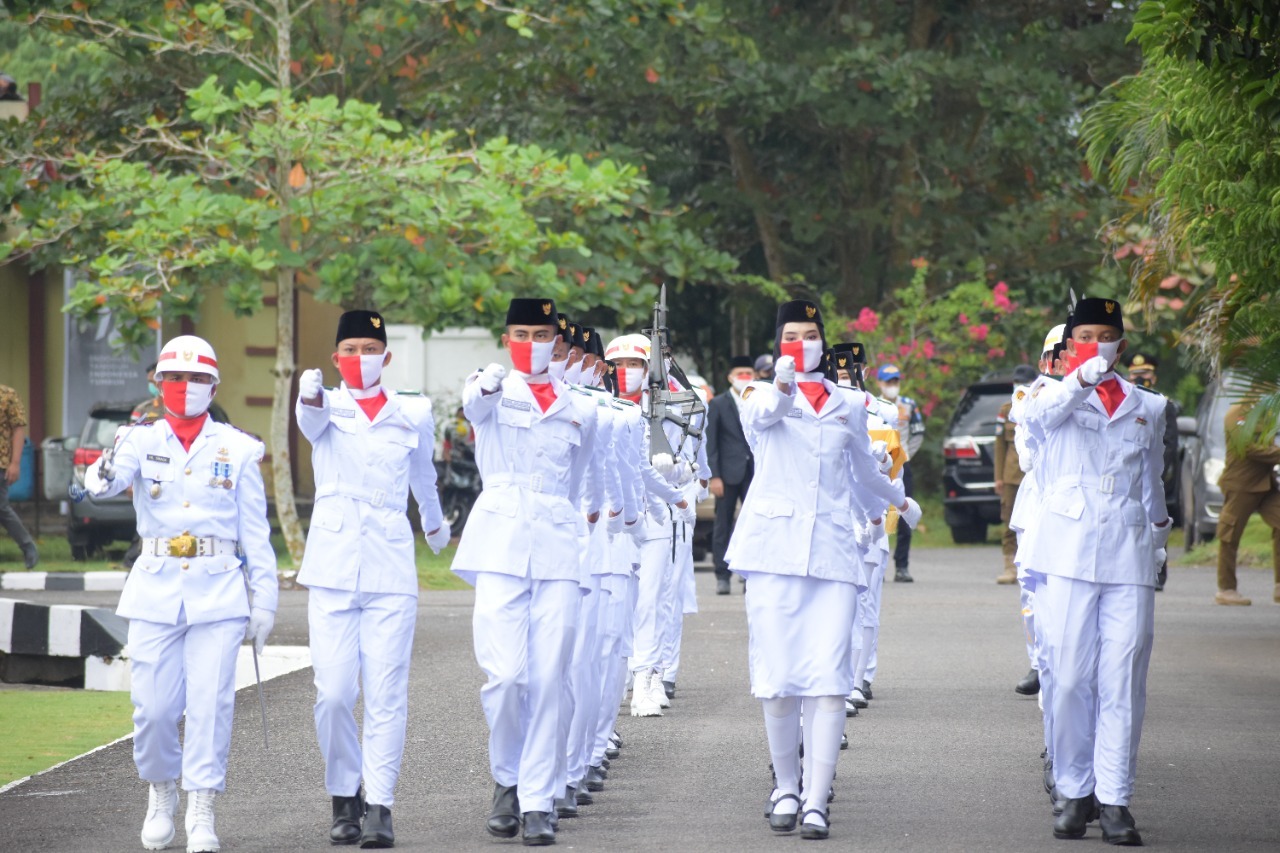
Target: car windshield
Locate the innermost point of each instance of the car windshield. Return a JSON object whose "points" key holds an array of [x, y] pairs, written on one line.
{"points": [[100, 431], [976, 414]]}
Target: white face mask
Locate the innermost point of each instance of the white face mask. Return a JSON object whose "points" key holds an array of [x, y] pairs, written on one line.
{"points": [[740, 385], [845, 383], [531, 357], [557, 369], [187, 399], [890, 392], [573, 375], [631, 380], [1110, 351]]}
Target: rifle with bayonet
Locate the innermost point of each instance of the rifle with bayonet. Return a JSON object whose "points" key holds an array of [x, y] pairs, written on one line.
{"points": [[665, 405]]}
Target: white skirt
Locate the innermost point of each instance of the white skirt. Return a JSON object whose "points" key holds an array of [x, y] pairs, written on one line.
{"points": [[800, 635]]}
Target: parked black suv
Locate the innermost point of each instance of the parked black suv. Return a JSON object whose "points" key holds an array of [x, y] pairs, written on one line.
{"points": [[968, 451], [94, 523]]}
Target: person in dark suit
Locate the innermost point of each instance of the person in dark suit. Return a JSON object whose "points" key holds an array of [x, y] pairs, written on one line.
{"points": [[729, 457]]}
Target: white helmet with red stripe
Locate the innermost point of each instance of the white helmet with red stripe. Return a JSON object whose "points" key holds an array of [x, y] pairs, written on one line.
{"points": [[188, 354], [627, 346]]}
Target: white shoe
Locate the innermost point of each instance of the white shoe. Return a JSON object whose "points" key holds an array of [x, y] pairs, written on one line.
{"points": [[162, 805], [642, 702], [658, 692], [200, 835]]}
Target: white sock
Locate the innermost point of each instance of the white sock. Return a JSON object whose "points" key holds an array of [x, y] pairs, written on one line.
{"points": [[823, 728], [782, 727], [864, 657]]}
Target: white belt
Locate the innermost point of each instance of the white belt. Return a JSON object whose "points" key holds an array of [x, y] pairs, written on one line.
{"points": [[1106, 484], [374, 497], [187, 545], [532, 482]]}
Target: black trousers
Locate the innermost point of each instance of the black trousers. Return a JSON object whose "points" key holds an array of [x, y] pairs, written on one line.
{"points": [[902, 550], [9, 518], [723, 530]]}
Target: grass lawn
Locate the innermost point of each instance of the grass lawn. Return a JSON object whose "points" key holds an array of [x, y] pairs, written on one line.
{"points": [[1255, 548], [45, 727]]}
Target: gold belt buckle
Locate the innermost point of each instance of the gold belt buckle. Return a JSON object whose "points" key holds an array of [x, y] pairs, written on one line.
{"points": [[182, 546]]}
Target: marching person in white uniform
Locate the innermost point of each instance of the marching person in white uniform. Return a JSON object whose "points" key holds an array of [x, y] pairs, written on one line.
{"points": [[794, 542], [1097, 548], [370, 446], [202, 519], [534, 442]]}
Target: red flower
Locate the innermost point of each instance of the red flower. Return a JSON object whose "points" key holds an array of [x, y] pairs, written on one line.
{"points": [[995, 352], [964, 319], [867, 321], [928, 349], [979, 332]]}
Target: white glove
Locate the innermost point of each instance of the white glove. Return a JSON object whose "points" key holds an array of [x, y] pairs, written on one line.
{"points": [[260, 624], [614, 524], [663, 464], [491, 378], [680, 472], [310, 384], [911, 515], [784, 370], [635, 530], [1092, 371], [692, 491], [1161, 556], [438, 540], [862, 535], [880, 450], [689, 514], [1160, 535]]}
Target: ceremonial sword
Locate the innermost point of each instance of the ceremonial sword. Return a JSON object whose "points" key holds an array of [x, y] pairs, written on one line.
{"points": [[253, 647]]}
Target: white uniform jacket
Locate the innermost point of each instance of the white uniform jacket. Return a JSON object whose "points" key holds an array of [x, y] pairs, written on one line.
{"points": [[360, 538], [798, 518], [533, 465], [212, 491], [1099, 479]]}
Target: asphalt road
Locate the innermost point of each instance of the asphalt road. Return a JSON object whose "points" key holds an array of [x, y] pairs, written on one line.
{"points": [[945, 759]]}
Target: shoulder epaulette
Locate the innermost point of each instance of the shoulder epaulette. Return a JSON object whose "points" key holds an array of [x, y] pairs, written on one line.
{"points": [[622, 402], [1148, 390], [409, 394]]}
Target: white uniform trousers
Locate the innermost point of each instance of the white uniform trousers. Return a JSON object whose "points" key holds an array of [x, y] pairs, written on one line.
{"points": [[680, 599], [868, 622], [614, 599], [587, 675], [655, 604], [1098, 640], [523, 630], [162, 658], [361, 638]]}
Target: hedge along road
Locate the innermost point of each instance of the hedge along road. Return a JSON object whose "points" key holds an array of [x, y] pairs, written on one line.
{"points": [[946, 757]]}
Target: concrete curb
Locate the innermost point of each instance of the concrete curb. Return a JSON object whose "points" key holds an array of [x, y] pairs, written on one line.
{"points": [[64, 581]]}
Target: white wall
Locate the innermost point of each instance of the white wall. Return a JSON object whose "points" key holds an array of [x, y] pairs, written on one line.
{"points": [[438, 364]]}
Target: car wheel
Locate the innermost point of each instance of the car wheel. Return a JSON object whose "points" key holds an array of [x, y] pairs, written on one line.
{"points": [[969, 533]]}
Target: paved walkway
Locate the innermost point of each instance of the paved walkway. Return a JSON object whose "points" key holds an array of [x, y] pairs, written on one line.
{"points": [[946, 758]]}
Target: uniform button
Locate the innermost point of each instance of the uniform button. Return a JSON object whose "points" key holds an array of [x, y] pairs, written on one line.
{"points": [[185, 565], [186, 504], [188, 472], [813, 484], [539, 453]]}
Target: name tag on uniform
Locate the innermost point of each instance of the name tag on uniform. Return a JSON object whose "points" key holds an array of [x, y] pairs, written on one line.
{"points": [[151, 457], [795, 413], [842, 420], [343, 413], [518, 405], [1142, 421]]}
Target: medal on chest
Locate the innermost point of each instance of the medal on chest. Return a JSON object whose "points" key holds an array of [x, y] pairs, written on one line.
{"points": [[221, 475]]}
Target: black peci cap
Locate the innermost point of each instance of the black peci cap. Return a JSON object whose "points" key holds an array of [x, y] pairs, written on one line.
{"points": [[533, 312], [739, 362], [799, 311], [1025, 374], [591, 342], [854, 351], [562, 328], [361, 324], [1098, 312]]}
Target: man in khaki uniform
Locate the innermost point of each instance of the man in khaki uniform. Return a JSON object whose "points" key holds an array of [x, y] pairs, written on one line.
{"points": [[13, 431], [1008, 471], [1248, 485]]}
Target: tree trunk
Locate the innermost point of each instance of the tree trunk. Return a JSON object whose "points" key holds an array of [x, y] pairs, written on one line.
{"points": [[743, 162], [923, 18]]}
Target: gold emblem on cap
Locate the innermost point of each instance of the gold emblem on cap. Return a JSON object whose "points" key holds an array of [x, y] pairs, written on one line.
{"points": [[855, 350], [564, 323], [187, 355], [1110, 306], [376, 321], [546, 308], [586, 336], [844, 362], [809, 311], [1138, 361]]}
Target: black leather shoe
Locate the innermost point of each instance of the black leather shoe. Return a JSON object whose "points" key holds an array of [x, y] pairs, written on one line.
{"points": [[669, 687], [901, 576], [594, 780], [612, 752], [814, 831], [844, 741], [604, 762], [784, 822], [377, 833], [866, 690], [1077, 812], [504, 817], [722, 586], [1118, 827], [567, 806], [538, 831], [1029, 685], [347, 814], [1051, 786], [584, 797]]}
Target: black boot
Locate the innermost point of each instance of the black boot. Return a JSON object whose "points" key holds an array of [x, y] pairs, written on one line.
{"points": [[504, 817], [377, 833], [1118, 827], [669, 688], [347, 814], [538, 831], [594, 780], [567, 806], [1077, 812], [584, 797], [866, 690], [1029, 685], [1051, 786], [903, 576]]}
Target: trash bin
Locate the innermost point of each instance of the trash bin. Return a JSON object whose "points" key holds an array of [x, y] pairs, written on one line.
{"points": [[24, 489], [57, 458]]}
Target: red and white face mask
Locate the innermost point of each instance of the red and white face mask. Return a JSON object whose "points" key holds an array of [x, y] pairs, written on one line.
{"points": [[361, 371], [808, 354], [186, 399], [630, 380], [531, 357]]}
